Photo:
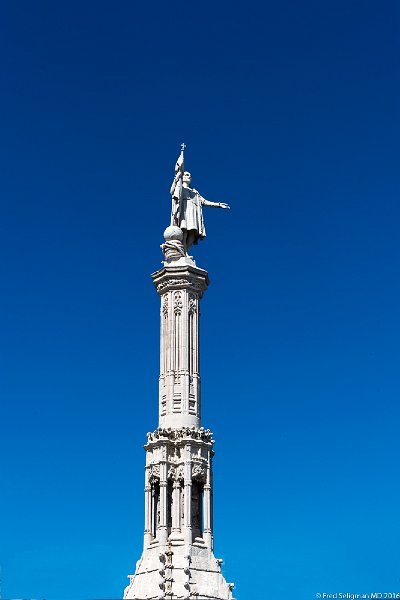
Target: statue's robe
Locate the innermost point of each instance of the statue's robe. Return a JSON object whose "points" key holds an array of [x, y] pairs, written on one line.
{"points": [[189, 216]]}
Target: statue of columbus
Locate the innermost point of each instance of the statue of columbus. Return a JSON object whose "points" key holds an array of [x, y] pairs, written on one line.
{"points": [[187, 205]]}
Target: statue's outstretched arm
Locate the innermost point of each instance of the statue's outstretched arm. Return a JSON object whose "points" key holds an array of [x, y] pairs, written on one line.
{"points": [[213, 204]]}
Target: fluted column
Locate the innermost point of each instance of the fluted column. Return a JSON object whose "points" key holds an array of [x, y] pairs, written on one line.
{"points": [[147, 509], [153, 512], [180, 287], [207, 500], [184, 366], [176, 508], [169, 376], [162, 535], [188, 497]]}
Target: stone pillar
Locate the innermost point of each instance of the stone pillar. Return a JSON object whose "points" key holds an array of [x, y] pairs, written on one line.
{"points": [[176, 509], [153, 511], [163, 531], [207, 534], [187, 527], [180, 286], [147, 509]]}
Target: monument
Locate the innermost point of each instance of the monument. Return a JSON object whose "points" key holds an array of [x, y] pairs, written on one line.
{"points": [[178, 559]]}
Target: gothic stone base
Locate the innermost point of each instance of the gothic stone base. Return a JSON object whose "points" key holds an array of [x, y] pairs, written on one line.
{"points": [[176, 573]]}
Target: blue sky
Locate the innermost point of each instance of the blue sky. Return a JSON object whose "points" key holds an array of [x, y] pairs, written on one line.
{"points": [[290, 113]]}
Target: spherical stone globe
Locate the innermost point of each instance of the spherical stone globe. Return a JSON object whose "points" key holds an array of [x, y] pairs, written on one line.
{"points": [[173, 233]]}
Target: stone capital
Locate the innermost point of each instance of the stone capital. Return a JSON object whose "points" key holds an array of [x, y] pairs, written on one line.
{"points": [[181, 277]]}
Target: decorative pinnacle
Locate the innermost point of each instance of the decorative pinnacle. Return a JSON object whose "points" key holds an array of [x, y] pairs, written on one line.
{"points": [[183, 146]]}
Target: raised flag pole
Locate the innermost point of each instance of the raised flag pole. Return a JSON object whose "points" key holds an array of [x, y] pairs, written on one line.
{"points": [[176, 187]]}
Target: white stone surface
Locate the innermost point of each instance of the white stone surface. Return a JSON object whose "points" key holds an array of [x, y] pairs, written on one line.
{"points": [[180, 287], [175, 572]]}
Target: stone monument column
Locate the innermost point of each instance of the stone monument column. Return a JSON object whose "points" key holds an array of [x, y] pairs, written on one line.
{"points": [[180, 287], [178, 562]]}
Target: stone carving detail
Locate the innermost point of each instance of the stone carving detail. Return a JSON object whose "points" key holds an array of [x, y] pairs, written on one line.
{"points": [[180, 473], [173, 248], [174, 283], [154, 473], [174, 454], [165, 306], [205, 435], [192, 304], [199, 472], [178, 303]]}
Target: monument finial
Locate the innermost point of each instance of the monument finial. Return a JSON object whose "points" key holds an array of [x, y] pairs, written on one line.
{"points": [[183, 146]]}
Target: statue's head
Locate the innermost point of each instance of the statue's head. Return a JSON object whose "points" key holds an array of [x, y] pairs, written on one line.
{"points": [[187, 178]]}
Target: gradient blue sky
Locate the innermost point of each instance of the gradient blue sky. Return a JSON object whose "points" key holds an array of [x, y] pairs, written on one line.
{"points": [[290, 111]]}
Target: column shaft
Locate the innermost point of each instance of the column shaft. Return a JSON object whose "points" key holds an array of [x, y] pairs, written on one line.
{"points": [[162, 536], [180, 287], [176, 504], [147, 509], [188, 498], [208, 505]]}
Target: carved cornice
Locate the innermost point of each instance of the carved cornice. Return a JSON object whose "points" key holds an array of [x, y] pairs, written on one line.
{"points": [[188, 278], [183, 433]]}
